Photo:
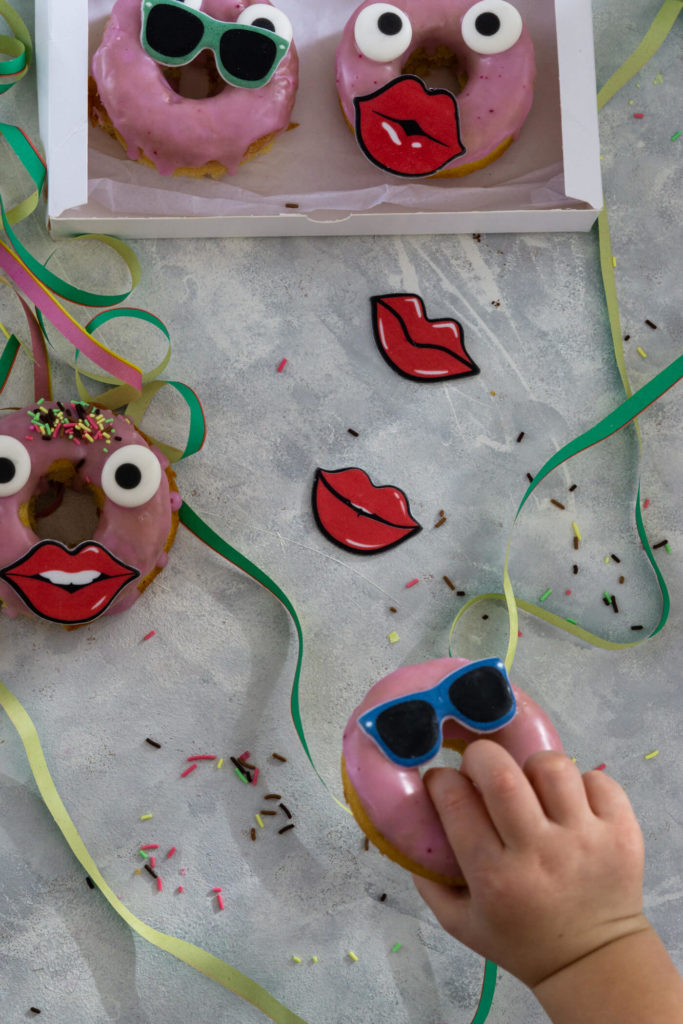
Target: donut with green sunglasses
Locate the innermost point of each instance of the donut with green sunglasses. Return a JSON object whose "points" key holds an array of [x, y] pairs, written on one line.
{"points": [[402, 723], [194, 86]]}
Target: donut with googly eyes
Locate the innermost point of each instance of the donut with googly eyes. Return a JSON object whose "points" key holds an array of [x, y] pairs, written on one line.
{"points": [[52, 447], [408, 129], [194, 87], [402, 723]]}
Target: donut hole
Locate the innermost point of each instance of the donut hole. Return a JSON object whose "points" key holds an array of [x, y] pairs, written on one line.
{"points": [[438, 67], [198, 80], [64, 508]]}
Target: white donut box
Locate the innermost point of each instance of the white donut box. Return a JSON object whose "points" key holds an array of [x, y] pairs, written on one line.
{"points": [[315, 180]]}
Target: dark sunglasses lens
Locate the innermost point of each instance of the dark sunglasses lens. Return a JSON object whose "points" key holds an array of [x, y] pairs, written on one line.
{"points": [[247, 55], [409, 729], [483, 695], [173, 32]]}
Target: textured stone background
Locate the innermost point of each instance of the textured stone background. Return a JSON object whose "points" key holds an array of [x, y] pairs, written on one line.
{"points": [[217, 675]]}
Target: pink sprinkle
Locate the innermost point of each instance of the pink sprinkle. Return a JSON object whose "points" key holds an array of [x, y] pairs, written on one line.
{"points": [[202, 757], [646, 503], [221, 904], [519, 632], [639, 115], [217, 888], [152, 862], [253, 781], [567, 592], [29, 437], [412, 583], [187, 771], [150, 846], [160, 884], [282, 366], [245, 756], [149, 635], [180, 888], [183, 871], [171, 852], [600, 767]]}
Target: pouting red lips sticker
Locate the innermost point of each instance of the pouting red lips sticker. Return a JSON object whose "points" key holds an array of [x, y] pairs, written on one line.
{"points": [[408, 129], [415, 346], [357, 515], [68, 585]]}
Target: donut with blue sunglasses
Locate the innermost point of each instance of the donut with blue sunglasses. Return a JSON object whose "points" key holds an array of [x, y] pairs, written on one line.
{"points": [[401, 725], [194, 87]]}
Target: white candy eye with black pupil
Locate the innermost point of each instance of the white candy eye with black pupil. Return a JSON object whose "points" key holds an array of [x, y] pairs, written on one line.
{"points": [[131, 476], [491, 26], [265, 16], [382, 32], [15, 466]]}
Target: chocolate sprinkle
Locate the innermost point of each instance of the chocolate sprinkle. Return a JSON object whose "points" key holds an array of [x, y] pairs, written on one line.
{"points": [[90, 882], [292, 206], [650, 324], [286, 810], [440, 522], [272, 796], [615, 558], [269, 813], [637, 627], [573, 487], [151, 871], [576, 543], [460, 593], [34, 1009], [575, 569], [484, 616], [661, 544], [279, 757], [253, 835], [392, 609], [614, 603], [557, 503], [622, 579], [153, 743], [366, 843], [605, 601], [450, 584], [354, 433], [530, 478], [383, 897], [285, 829], [520, 436]]}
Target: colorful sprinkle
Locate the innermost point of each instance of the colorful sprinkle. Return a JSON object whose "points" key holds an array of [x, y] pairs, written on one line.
{"points": [[676, 135], [352, 956], [149, 846], [259, 821], [393, 638], [255, 778], [202, 757], [282, 366], [546, 595], [180, 889], [572, 621], [600, 767], [171, 852], [296, 959], [219, 901], [160, 884], [395, 949], [653, 753], [641, 352], [577, 532], [152, 633], [146, 817], [314, 959], [412, 583], [639, 115], [241, 776], [187, 771], [219, 763]]}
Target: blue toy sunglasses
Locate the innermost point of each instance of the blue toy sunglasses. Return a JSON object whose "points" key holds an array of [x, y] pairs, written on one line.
{"points": [[408, 730]]}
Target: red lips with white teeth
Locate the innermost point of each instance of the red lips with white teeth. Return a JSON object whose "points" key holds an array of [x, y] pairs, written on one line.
{"points": [[359, 516], [68, 585]]}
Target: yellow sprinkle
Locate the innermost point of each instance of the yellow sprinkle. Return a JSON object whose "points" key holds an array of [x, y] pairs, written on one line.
{"points": [[638, 85], [314, 959], [296, 959], [606, 558], [630, 103], [641, 353], [258, 818], [614, 261], [352, 956], [653, 753], [573, 760], [146, 817], [576, 531], [138, 871], [219, 763], [393, 638]]}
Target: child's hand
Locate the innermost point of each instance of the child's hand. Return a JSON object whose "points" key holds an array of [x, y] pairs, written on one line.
{"points": [[553, 860]]}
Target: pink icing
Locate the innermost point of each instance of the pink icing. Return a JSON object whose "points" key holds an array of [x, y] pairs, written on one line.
{"points": [[134, 535], [499, 90], [394, 797], [173, 131]]}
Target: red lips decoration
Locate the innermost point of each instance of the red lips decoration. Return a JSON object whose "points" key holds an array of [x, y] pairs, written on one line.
{"points": [[358, 516], [415, 346], [407, 129], [70, 586]]}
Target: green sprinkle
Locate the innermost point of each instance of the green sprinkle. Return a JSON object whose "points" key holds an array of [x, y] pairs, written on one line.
{"points": [[607, 597], [143, 854], [667, 547], [547, 594], [395, 949], [238, 773], [573, 621], [676, 135]]}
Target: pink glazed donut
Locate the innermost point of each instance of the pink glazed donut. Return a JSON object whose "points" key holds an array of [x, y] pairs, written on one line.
{"points": [[132, 98], [53, 445], [390, 801], [405, 127]]}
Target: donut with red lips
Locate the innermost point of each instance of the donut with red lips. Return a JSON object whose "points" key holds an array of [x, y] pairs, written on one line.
{"points": [[80, 446], [410, 130]]}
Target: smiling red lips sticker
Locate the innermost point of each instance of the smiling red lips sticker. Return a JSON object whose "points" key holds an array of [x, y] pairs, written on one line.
{"points": [[408, 129], [357, 515], [68, 585], [415, 346]]}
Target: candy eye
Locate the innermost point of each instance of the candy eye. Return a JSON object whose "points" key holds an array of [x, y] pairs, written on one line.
{"points": [[131, 476], [382, 32], [15, 466], [491, 26], [265, 16]]}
